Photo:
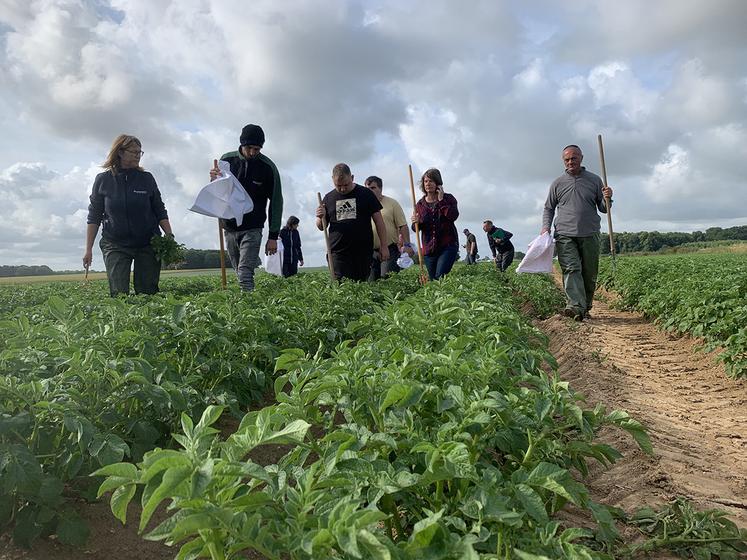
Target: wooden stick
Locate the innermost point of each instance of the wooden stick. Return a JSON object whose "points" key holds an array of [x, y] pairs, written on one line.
{"points": [[423, 277], [326, 241], [222, 257], [606, 198], [222, 247]]}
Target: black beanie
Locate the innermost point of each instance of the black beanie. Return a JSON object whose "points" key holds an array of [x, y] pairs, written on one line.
{"points": [[252, 135]]}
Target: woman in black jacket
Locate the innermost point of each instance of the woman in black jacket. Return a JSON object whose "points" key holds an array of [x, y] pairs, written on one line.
{"points": [[292, 255], [126, 199]]}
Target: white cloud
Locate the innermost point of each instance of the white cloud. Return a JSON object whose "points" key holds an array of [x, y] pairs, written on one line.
{"points": [[431, 136], [671, 176], [614, 85]]}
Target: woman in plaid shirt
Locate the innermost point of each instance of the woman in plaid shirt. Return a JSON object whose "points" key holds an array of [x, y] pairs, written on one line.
{"points": [[435, 214]]}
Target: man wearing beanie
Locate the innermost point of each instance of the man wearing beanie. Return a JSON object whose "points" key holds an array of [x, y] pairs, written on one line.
{"points": [[259, 176]]}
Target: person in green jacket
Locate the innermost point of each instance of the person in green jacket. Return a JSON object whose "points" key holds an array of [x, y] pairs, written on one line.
{"points": [[259, 176]]}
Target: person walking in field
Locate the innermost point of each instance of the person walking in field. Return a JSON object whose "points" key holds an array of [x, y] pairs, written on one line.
{"points": [[435, 214], [349, 209], [126, 199], [396, 228], [292, 255], [261, 180], [470, 246], [576, 196], [499, 241]]}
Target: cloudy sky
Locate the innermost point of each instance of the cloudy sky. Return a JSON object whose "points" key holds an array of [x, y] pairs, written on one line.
{"points": [[487, 91]]}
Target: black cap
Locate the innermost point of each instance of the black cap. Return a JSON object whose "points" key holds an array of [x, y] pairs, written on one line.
{"points": [[252, 135], [465, 230]]}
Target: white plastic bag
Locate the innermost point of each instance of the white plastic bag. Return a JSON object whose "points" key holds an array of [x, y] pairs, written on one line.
{"points": [[539, 255], [405, 261], [224, 198], [274, 263]]}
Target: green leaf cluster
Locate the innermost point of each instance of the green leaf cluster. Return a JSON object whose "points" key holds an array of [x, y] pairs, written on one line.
{"points": [[703, 295], [167, 250], [688, 533]]}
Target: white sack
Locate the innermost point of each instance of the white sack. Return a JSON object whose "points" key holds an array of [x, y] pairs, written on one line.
{"points": [[274, 263], [539, 255], [224, 198], [405, 261]]}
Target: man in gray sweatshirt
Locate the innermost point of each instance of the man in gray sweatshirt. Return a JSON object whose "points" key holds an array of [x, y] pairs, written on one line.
{"points": [[576, 195]]}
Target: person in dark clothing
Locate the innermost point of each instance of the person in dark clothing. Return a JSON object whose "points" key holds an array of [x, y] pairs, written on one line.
{"points": [[259, 176], [126, 199], [500, 245], [471, 246], [349, 209], [292, 255]]}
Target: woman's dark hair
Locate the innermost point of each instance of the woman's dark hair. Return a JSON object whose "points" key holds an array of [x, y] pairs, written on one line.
{"points": [[434, 175], [292, 221]]}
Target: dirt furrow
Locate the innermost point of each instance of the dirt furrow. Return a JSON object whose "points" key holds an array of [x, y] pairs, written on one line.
{"points": [[696, 416]]}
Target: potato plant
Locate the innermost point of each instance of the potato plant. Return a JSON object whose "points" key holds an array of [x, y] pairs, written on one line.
{"points": [[704, 295], [431, 431], [87, 380]]}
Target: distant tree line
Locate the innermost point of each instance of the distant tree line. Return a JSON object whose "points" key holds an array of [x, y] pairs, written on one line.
{"points": [[651, 241], [202, 258], [194, 258], [24, 270]]}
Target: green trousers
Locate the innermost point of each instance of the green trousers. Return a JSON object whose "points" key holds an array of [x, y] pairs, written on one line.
{"points": [[118, 261], [579, 260]]}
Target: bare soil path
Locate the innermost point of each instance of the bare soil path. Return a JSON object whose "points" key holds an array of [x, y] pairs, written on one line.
{"points": [[695, 415]]}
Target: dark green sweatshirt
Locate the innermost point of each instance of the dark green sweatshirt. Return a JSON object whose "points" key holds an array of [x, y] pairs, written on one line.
{"points": [[261, 179]]}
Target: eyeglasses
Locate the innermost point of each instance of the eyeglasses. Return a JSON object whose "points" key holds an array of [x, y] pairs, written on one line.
{"points": [[138, 153]]}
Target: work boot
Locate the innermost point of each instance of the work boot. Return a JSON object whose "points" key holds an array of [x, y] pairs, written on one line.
{"points": [[573, 313]]}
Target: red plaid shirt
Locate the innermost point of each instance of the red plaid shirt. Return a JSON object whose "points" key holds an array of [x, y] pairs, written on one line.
{"points": [[436, 223]]}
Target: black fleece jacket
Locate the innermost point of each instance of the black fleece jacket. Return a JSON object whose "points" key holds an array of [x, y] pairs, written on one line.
{"points": [[129, 205]]}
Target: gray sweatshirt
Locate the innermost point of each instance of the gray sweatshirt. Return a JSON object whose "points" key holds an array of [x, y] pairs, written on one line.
{"points": [[577, 199]]}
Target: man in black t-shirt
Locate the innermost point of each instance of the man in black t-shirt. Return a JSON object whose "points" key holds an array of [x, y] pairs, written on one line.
{"points": [[349, 209]]}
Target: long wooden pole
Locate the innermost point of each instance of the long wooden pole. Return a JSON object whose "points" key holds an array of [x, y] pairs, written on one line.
{"points": [[423, 277], [222, 247], [606, 198], [222, 257], [326, 241]]}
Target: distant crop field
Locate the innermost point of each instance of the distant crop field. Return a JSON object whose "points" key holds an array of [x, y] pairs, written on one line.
{"points": [[80, 276]]}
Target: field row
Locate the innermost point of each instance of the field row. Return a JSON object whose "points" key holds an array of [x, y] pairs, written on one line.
{"points": [[704, 295], [433, 431], [87, 380], [414, 422]]}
